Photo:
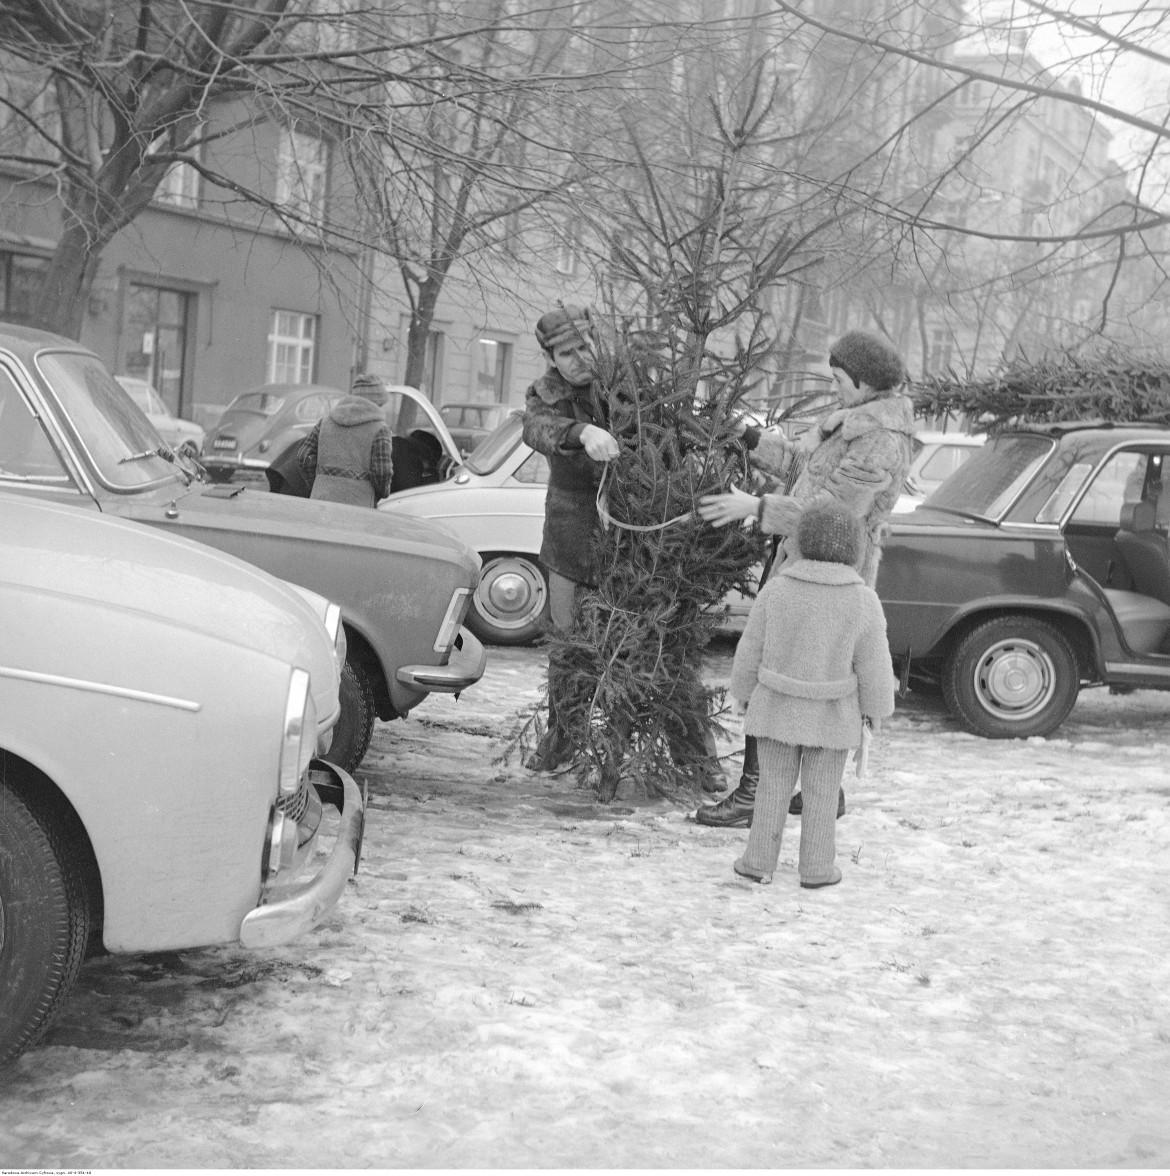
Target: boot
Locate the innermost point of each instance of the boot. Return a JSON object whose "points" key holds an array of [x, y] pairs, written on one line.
{"points": [[796, 804], [735, 809], [551, 752]]}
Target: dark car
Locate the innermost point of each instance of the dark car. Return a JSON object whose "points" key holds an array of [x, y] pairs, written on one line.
{"points": [[70, 434], [261, 424], [1040, 566]]}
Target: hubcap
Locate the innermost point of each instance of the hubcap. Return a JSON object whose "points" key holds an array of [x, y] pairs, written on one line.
{"points": [[1015, 679], [511, 593]]}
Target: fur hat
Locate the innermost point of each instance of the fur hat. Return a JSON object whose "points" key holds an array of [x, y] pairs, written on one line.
{"points": [[370, 387], [866, 359], [567, 323], [829, 533]]}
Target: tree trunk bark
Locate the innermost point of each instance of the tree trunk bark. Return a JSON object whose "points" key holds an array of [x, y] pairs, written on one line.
{"points": [[64, 294]]}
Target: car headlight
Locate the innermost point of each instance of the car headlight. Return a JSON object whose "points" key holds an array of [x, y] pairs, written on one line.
{"points": [[299, 741], [450, 626], [336, 631]]}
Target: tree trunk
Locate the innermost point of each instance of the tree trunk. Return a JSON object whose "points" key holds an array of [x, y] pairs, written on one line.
{"points": [[61, 302]]}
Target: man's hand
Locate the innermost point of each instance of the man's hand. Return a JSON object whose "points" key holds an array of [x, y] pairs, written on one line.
{"points": [[599, 444], [721, 509]]}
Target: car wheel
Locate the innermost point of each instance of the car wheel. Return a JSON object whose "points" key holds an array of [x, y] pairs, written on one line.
{"points": [[44, 923], [1012, 677], [355, 724], [511, 604]]}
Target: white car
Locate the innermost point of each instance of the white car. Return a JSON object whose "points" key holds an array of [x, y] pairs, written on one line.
{"points": [[175, 431], [494, 502], [936, 457]]}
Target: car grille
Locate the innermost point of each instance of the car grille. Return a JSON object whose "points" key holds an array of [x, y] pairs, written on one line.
{"points": [[297, 805], [224, 443]]}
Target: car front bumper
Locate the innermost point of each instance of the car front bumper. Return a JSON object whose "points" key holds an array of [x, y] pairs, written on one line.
{"points": [[464, 668], [289, 912]]}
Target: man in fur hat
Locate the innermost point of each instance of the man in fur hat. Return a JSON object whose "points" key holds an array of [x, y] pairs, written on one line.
{"points": [[348, 457], [858, 457], [565, 421]]}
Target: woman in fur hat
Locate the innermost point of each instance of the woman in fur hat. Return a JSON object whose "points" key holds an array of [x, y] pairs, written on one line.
{"points": [[348, 457], [858, 457], [813, 664]]}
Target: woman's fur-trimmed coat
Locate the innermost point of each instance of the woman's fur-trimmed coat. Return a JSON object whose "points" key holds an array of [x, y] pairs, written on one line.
{"points": [[814, 657], [859, 456]]}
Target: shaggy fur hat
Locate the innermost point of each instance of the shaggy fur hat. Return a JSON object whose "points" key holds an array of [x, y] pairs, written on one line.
{"points": [[567, 323], [829, 533], [866, 359], [371, 388]]}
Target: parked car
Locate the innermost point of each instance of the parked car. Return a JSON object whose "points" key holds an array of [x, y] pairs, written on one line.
{"points": [[494, 502], [936, 456], [469, 424], [69, 433], [261, 424], [160, 708], [1039, 566], [175, 431]]}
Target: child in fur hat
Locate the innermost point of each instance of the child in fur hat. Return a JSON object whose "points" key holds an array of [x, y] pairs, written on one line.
{"points": [[812, 665]]}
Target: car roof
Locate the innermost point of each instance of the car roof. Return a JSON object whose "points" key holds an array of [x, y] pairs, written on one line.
{"points": [[294, 390], [1061, 428], [927, 437]]}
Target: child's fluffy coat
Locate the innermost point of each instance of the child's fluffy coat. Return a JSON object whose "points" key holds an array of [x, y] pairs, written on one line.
{"points": [[814, 658]]}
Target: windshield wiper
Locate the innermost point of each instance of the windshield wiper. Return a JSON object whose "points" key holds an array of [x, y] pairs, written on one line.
{"points": [[157, 452]]}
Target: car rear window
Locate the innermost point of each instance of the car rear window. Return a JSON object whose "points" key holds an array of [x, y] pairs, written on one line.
{"points": [[987, 483], [264, 403]]}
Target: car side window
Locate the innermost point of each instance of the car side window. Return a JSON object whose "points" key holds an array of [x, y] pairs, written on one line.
{"points": [[1120, 480], [533, 471], [26, 453]]}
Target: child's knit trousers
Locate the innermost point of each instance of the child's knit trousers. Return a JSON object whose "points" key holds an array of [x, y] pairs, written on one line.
{"points": [[819, 770]]}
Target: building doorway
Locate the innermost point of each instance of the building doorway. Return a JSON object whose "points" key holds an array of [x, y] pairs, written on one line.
{"points": [[156, 331]]}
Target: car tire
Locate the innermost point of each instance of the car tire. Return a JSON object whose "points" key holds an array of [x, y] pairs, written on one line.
{"points": [[44, 923], [1012, 677], [511, 602], [355, 724]]}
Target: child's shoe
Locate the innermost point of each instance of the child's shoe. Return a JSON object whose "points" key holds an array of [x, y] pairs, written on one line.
{"points": [[752, 875], [815, 884]]}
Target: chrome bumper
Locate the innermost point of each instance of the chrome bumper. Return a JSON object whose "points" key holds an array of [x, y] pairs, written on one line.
{"points": [[464, 669], [294, 911]]}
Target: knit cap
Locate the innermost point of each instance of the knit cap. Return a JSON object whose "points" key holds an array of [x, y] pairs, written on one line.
{"points": [[866, 359], [370, 387], [829, 533], [568, 323]]}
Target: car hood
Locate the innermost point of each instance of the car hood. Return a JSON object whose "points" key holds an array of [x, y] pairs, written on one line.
{"points": [[120, 566], [299, 520]]}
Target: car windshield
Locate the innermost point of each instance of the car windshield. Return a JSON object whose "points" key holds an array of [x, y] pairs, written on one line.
{"points": [[496, 446], [121, 443], [261, 403], [144, 396], [987, 483]]}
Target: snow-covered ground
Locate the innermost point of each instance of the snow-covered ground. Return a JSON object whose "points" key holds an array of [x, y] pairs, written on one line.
{"points": [[520, 978]]}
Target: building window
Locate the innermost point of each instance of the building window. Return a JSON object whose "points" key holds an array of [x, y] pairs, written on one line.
{"points": [[181, 183], [292, 347], [941, 351], [20, 280], [567, 255], [301, 166], [489, 378]]}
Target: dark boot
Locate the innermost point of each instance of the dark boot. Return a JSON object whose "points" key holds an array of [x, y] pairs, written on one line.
{"points": [[551, 752], [796, 804], [735, 809]]}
